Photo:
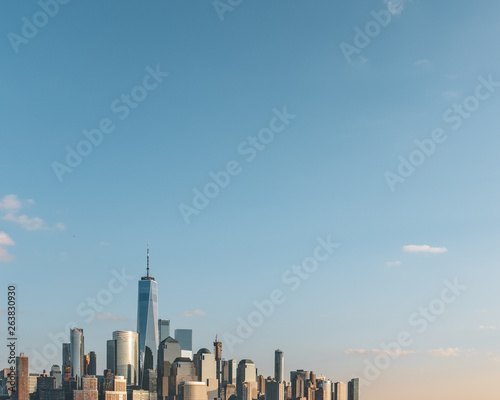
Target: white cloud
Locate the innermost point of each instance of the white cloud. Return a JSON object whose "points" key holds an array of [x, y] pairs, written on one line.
{"points": [[10, 203], [30, 224], [450, 352], [412, 248], [395, 7], [5, 240], [380, 351], [193, 313], [107, 316], [392, 263], [104, 244], [355, 351], [451, 76]]}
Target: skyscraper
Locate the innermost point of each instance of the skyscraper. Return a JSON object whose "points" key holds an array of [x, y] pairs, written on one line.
{"points": [[122, 355], [279, 373], [77, 351], [22, 378], [147, 322], [353, 389], [339, 393], [55, 371], [92, 368], [66, 361], [185, 339], [163, 329], [246, 373]]}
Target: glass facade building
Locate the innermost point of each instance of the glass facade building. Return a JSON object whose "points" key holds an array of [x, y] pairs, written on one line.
{"points": [[123, 355], [279, 372], [77, 354], [147, 324], [163, 329]]}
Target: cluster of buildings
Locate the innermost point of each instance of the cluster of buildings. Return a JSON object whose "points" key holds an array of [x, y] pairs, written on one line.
{"points": [[152, 365]]}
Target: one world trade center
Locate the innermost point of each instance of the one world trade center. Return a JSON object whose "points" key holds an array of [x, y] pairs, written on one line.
{"points": [[147, 322]]}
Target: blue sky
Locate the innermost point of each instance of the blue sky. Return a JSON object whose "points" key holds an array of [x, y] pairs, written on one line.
{"points": [[323, 174]]}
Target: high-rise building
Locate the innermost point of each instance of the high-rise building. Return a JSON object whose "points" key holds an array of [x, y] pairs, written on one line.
{"points": [[168, 351], [353, 389], [32, 382], [326, 385], [279, 372], [229, 372], [77, 354], [22, 378], [118, 389], [218, 365], [89, 389], [246, 373], [92, 368], [298, 386], [275, 390], [147, 322], [55, 371], [185, 339], [192, 391], [163, 329], [339, 392], [66, 361], [206, 370], [122, 355]]}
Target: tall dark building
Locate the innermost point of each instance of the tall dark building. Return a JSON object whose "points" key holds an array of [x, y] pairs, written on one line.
{"points": [[279, 372], [66, 361], [147, 322], [22, 378], [353, 389], [92, 368]]}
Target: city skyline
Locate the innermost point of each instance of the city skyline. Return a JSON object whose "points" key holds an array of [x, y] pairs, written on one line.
{"points": [[320, 178]]}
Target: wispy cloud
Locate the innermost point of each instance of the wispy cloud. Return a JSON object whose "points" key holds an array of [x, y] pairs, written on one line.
{"points": [[412, 248], [107, 316], [355, 351], [5, 240], [30, 224], [11, 205], [193, 313], [450, 352], [422, 62], [104, 244], [395, 7], [488, 328], [393, 263], [380, 351]]}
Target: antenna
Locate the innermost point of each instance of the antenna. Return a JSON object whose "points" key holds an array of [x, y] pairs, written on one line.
{"points": [[148, 263]]}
